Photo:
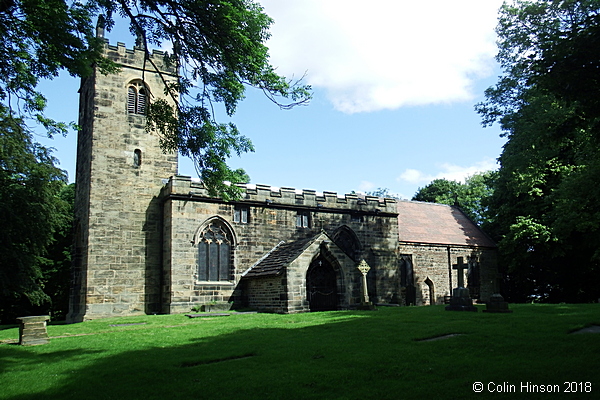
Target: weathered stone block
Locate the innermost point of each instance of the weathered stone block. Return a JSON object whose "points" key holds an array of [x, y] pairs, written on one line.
{"points": [[32, 330]]}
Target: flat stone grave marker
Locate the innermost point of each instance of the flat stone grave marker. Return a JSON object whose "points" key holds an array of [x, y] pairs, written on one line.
{"points": [[589, 329], [439, 337], [207, 315]]}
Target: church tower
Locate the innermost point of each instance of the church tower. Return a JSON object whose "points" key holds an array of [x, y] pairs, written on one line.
{"points": [[119, 176]]}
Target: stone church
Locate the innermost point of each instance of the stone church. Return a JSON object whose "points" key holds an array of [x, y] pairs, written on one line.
{"points": [[151, 241]]}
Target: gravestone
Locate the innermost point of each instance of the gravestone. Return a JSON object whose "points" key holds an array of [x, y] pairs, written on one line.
{"points": [[32, 330], [460, 301], [497, 304]]}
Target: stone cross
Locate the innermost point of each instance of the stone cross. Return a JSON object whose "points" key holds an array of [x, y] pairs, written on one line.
{"points": [[460, 267], [363, 267]]}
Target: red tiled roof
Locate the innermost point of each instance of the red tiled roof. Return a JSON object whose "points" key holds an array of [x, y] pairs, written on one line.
{"points": [[420, 222]]}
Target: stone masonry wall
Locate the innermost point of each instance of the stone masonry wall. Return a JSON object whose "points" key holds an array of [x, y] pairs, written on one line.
{"points": [[117, 258], [433, 262], [269, 294], [272, 218]]}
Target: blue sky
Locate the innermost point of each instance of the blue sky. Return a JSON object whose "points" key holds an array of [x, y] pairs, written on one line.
{"points": [[394, 89]]}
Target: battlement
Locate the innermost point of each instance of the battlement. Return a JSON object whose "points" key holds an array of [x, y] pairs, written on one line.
{"points": [[135, 58], [185, 186]]}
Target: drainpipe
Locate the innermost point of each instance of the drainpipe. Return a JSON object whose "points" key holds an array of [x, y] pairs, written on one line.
{"points": [[449, 270]]}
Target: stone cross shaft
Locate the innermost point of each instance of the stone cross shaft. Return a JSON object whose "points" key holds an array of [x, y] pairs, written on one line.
{"points": [[460, 266], [363, 267]]}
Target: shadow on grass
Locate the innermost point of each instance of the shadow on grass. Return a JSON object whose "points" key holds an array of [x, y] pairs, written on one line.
{"points": [[3, 327], [12, 355], [371, 356]]}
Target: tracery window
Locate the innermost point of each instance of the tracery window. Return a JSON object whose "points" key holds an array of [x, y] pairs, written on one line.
{"points": [[215, 253], [346, 240], [137, 98]]}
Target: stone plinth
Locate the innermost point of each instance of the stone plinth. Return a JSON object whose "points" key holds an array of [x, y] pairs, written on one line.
{"points": [[497, 304], [33, 330], [461, 301], [366, 306]]}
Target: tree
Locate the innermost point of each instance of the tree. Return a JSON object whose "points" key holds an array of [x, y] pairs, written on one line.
{"points": [[440, 191], [547, 218], [218, 46], [55, 265], [39, 39], [471, 196], [30, 211], [382, 192]]}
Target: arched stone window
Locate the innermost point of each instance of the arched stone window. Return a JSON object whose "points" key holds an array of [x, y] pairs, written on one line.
{"points": [[137, 98], [215, 250], [137, 158], [346, 240]]}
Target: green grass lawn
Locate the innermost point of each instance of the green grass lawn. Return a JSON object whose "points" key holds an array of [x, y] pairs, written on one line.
{"points": [[330, 355]]}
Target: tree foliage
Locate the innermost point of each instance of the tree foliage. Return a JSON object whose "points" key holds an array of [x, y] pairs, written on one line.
{"points": [[547, 218], [382, 192], [217, 45], [39, 39], [31, 211], [55, 264], [470, 196]]}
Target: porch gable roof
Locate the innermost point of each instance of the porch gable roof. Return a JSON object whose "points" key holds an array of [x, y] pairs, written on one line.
{"points": [[274, 262]]}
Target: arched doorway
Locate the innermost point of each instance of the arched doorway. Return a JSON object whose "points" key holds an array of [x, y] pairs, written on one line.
{"points": [[429, 283], [321, 285]]}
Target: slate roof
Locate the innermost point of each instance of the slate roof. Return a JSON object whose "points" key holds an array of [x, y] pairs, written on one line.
{"points": [[431, 223], [274, 262]]}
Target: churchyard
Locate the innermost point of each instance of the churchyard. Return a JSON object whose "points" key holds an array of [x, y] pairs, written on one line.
{"points": [[383, 354]]}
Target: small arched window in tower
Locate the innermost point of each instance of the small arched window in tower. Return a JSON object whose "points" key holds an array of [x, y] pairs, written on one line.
{"points": [[137, 98], [137, 158]]}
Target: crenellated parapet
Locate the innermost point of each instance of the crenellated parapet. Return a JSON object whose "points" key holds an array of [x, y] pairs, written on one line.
{"points": [[184, 187], [136, 57]]}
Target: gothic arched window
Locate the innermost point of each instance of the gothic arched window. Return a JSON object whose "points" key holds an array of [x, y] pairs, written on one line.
{"points": [[137, 98], [215, 245], [346, 240]]}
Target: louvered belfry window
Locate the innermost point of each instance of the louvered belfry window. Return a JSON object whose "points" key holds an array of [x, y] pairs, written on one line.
{"points": [[214, 253], [137, 98]]}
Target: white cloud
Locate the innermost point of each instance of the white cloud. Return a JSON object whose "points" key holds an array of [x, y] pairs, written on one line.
{"points": [[385, 54], [413, 176], [366, 186], [447, 171]]}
